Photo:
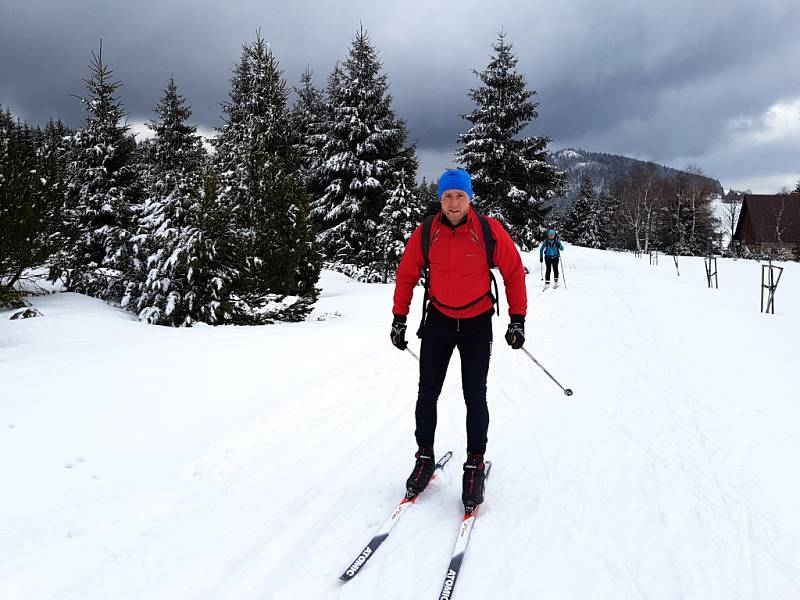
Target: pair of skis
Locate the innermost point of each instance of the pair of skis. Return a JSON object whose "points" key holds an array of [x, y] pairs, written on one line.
{"points": [[467, 523]]}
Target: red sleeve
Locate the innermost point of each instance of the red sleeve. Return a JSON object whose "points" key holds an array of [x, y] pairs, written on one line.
{"points": [[508, 260], [408, 273]]}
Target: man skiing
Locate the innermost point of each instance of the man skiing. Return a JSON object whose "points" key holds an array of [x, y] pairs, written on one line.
{"points": [[550, 253], [459, 315]]}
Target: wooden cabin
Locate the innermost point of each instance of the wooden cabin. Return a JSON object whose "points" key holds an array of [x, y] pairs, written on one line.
{"points": [[769, 222]]}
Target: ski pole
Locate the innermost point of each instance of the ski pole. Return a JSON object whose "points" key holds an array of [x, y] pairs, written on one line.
{"points": [[412, 353], [563, 271], [567, 391], [541, 269]]}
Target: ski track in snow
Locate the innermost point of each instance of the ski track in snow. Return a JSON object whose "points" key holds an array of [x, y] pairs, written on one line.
{"points": [[256, 462]]}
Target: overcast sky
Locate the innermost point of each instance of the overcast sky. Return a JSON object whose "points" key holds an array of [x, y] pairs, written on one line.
{"points": [[714, 83]]}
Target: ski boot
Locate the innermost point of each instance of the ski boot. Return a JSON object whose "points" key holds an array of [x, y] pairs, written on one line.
{"points": [[546, 286], [555, 285], [422, 473], [472, 483]]}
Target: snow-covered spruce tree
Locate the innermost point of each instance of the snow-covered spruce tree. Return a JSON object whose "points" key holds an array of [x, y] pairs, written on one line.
{"points": [[53, 154], [179, 277], [511, 176], [586, 222], [193, 283], [21, 222], [32, 182], [270, 241], [308, 118], [427, 193], [176, 146], [102, 188], [364, 154], [321, 206], [611, 212], [400, 216], [54, 145]]}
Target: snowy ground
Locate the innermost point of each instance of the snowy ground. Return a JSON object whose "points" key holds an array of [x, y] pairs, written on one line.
{"points": [[141, 462]]}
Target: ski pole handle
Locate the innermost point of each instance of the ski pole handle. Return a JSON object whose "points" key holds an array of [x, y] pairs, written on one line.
{"points": [[567, 391]]}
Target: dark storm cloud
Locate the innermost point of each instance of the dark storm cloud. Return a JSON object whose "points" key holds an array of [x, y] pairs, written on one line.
{"points": [[661, 81]]}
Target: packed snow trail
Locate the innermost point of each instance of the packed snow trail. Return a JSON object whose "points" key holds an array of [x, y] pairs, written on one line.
{"points": [[244, 463]]}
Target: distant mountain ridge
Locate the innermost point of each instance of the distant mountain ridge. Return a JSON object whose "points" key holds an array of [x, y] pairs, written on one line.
{"points": [[603, 169]]}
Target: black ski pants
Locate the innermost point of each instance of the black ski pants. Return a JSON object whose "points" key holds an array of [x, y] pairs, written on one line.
{"points": [[473, 338], [550, 261]]}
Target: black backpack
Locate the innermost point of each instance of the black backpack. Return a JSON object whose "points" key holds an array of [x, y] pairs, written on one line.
{"points": [[425, 274]]}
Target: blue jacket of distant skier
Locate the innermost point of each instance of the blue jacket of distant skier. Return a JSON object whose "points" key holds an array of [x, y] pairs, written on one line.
{"points": [[551, 247]]}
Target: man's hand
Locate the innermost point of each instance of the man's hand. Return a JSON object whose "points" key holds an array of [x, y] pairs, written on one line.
{"points": [[398, 334], [515, 335]]}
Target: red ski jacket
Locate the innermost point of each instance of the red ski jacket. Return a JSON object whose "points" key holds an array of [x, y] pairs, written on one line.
{"points": [[459, 270]]}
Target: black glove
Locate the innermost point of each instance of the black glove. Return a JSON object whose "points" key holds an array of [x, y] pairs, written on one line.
{"points": [[515, 335], [541, 258], [398, 334]]}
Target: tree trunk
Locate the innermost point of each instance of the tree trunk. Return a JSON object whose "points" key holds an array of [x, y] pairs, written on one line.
{"points": [[15, 278]]}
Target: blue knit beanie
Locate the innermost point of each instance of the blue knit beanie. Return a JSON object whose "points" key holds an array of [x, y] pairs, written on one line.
{"points": [[455, 179]]}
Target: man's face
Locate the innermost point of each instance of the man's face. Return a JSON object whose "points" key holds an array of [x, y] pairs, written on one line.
{"points": [[551, 236], [455, 204]]}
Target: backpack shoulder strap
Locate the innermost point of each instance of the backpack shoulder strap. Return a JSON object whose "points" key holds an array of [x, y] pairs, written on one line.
{"points": [[488, 239], [426, 239], [489, 242], [425, 274]]}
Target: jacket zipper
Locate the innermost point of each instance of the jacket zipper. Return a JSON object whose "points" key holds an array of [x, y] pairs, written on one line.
{"points": [[452, 263], [458, 321]]}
